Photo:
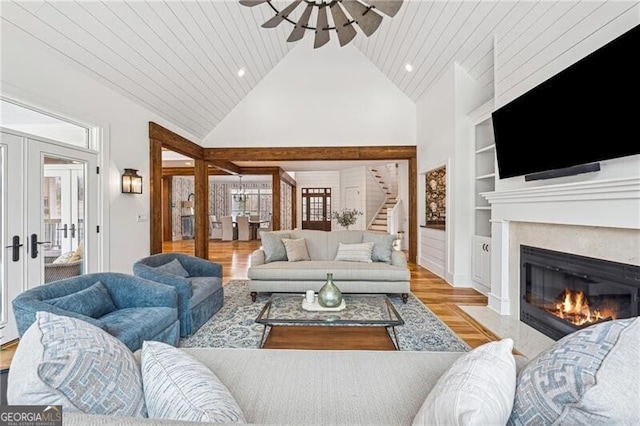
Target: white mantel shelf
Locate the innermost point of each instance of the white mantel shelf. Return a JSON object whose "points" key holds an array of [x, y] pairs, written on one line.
{"points": [[611, 202]]}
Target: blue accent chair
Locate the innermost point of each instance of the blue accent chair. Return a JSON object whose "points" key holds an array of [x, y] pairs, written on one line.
{"points": [[129, 308], [199, 285]]}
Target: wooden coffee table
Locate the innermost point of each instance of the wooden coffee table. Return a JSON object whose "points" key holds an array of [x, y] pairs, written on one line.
{"points": [[367, 322]]}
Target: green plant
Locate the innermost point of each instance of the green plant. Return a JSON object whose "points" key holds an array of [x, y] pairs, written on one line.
{"points": [[346, 217]]}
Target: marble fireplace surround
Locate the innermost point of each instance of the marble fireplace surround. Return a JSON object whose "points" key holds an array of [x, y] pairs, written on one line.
{"points": [[598, 218]]}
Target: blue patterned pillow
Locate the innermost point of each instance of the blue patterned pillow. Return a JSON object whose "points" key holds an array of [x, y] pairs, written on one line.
{"points": [[65, 361], [588, 377], [94, 301], [179, 387], [174, 268]]}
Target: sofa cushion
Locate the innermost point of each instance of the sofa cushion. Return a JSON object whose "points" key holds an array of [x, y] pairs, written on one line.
{"points": [[179, 387], [354, 252], [296, 249], [382, 245], [93, 301], [478, 389], [583, 378], [68, 362], [174, 268], [273, 247], [317, 271], [131, 325]]}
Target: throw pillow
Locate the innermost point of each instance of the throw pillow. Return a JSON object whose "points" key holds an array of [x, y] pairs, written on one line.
{"points": [[64, 258], [66, 361], [273, 246], [477, 389], [382, 247], [94, 301], [588, 377], [296, 249], [179, 387], [360, 252], [77, 253], [174, 268]]}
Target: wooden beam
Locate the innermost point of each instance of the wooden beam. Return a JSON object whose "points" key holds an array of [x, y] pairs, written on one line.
{"points": [[155, 196], [225, 166], [275, 202], [188, 171], [327, 153], [201, 178], [413, 210], [167, 217], [175, 142]]}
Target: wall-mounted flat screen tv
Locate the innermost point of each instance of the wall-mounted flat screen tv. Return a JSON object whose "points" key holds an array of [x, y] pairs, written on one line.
{"points": [[586, 113]]}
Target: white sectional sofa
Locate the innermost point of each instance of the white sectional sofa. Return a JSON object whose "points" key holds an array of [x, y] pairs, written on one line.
{"points": [[271, 271]]}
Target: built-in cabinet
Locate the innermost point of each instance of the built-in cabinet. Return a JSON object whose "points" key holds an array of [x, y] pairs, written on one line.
{"points": [[484, 181]]}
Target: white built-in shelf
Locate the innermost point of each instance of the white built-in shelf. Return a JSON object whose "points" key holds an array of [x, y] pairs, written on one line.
{"points": [[486, 148], [487, 176]]}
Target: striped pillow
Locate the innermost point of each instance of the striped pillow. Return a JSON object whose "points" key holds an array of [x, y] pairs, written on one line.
{"points": [[179, 387], [360, 252]]}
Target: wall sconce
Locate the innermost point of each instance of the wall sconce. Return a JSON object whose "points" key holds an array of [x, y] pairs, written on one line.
{"points": [[131, 182]]}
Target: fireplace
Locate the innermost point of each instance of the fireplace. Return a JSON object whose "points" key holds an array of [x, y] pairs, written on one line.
{"points": [[561, 292]]}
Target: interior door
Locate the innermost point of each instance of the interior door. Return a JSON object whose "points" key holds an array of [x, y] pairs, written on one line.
{"points": [[316, 208], [12, 255]]}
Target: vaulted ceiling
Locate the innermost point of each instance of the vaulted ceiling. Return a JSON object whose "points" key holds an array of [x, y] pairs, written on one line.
{"points": [[181, 59]]}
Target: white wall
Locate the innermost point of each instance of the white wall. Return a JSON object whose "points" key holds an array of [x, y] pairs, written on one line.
{"points": [[320, 97], [33, 74], [353, 179], [444, 136]]}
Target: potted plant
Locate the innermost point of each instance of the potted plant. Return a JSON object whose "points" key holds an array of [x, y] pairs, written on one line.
{"points": [[346, 217]]}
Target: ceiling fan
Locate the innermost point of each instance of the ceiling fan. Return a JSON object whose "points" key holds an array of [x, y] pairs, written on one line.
{"points": [[345, 15]]}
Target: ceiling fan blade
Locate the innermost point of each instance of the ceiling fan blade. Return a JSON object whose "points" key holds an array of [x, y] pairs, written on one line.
{"points": [[345, 30], [299, 30], [388, 7], [366, 18], [277, 20], [251, 3], [322, 32]]}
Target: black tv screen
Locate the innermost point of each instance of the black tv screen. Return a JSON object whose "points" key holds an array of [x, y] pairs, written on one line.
{"points": [[586, 113]]}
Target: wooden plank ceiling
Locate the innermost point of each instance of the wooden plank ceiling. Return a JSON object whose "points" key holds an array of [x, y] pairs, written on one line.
{"points": [[180, 59]]}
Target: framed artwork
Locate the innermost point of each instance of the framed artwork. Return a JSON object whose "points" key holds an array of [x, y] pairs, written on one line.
{"points": [[436, 198]]}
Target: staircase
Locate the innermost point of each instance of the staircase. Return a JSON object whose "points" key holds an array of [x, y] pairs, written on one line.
{"points": [[388, 184]]}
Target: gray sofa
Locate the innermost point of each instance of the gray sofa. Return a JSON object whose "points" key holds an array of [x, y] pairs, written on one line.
{"points": [[322, 246]]}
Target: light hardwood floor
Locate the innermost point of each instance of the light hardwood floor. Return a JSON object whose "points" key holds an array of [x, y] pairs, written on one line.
{"points": [[432, 290]]}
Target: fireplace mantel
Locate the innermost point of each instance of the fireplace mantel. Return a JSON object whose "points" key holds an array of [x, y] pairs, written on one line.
{"points": [[603, 203], [612, 202]]}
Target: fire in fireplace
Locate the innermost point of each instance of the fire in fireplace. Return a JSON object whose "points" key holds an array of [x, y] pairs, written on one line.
{"points": [[561, 292]]}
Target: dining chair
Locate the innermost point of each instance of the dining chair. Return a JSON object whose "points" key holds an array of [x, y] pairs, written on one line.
{"points": [[215, 228], [244, 233], [228, 230]]}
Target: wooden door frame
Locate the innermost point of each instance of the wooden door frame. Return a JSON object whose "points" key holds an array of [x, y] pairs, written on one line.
{"points": [[222, 158]]}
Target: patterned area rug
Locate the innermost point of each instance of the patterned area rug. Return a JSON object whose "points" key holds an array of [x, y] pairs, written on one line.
{"points": [[234, 325]]}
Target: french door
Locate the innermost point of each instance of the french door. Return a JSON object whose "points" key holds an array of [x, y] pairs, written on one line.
{"points": [[316, 208], [48, 212]]}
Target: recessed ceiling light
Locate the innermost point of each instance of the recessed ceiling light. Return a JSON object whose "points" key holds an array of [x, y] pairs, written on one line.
{"points": [[241, 72], [408, 67]]}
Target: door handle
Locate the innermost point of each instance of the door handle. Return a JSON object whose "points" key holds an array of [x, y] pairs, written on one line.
{"points": [[64, 231], [73, 230], [34, 245], [16, 248]]}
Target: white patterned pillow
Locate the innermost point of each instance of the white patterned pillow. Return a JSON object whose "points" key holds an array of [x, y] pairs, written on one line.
{"points": [[296, 249], [588, 377], [477, 389], [65, 361], [179, 387], [360, 252]]}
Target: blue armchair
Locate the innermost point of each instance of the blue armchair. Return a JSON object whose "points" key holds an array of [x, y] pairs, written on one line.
{"points": [[130, 308], [198, 282]]}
